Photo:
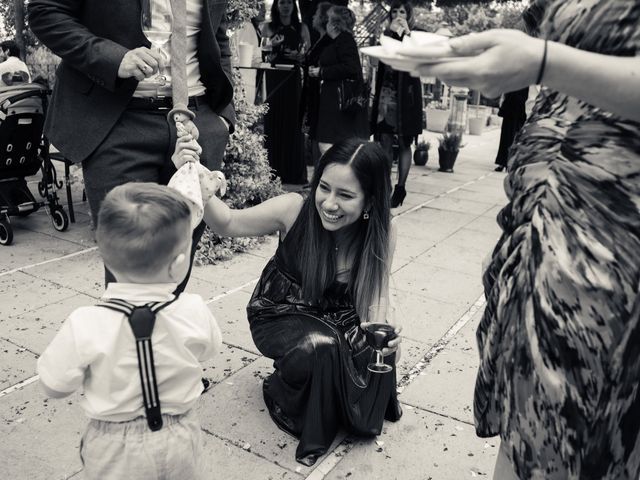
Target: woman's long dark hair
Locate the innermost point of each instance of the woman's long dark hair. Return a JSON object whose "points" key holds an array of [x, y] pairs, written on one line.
{"points": [[317, 260], [276, 23]]}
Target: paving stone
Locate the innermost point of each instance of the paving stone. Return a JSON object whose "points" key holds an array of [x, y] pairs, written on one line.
{"points": [[425, 319], [431, 222], [465, 340], [231, 314], [82, 273], [21, 292], [412, 352], [44, 435], [16, 364], [31, 247], [212, 280], [438, 283], [35, 329], [453, 204], [230, 461], [474, 240], [228, 361], [486, 225], [238, 399], [407, 248], [452, 257], [432, 389], [420, 446], [466, 193]]}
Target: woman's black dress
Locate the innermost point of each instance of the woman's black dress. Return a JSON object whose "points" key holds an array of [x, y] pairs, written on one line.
{"points": [[321, 381], [284, 139], [513, 116]]}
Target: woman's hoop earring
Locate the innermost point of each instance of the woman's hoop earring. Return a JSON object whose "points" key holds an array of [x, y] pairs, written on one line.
{"points": [[365, 215]]}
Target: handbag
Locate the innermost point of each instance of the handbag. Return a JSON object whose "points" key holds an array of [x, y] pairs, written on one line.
{"points": [[352, 96]]}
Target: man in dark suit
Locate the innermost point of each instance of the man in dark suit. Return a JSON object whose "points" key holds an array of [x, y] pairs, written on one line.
{"points": [[108, 110]]}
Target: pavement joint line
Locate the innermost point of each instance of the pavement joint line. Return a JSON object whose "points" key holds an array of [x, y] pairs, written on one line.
{"points": [[19, 386], [440, 344], [45, 262], [232, 291], [329, 463], [241, 446], [411, 406], [440, 195]]}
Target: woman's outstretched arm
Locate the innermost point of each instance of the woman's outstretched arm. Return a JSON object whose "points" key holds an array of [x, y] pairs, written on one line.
{"points": [[274, 215], [507, 60]]}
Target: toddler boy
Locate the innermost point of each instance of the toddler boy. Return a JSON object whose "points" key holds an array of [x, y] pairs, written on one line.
{"points": [[137, 431]]}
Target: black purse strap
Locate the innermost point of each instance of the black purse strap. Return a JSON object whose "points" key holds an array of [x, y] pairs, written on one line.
{"points": [[142, 320]]}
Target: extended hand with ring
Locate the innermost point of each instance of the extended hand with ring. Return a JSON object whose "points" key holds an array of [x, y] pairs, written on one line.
{"points": [[140, 63]]}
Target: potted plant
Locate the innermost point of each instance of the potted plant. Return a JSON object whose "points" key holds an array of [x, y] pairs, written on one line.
{"points": [[421, 153], [448, 150]]}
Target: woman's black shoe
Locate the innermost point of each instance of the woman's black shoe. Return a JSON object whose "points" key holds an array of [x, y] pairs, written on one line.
{"points": [[398, 195], [499, 168]]}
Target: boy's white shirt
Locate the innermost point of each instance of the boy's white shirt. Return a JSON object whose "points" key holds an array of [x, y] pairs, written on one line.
{"points": [[96, 349]]}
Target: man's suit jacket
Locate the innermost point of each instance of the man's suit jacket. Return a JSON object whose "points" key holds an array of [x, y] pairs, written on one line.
{"points": [[92, 37]]}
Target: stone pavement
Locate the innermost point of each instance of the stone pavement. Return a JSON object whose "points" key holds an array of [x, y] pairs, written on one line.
{"points": [[446, 228]]}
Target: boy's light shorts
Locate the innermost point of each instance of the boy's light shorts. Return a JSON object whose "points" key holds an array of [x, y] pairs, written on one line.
{"points": [[120, 450]]}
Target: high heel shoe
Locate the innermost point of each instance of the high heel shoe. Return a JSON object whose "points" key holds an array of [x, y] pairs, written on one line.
{"points": [[398, 195]]}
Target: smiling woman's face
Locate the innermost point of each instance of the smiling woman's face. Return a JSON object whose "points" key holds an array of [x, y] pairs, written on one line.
{"points": [[339, 197]]}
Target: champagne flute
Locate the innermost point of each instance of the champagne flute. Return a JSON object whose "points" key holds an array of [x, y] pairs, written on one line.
{"points": [[156, 26], [379, 331]]}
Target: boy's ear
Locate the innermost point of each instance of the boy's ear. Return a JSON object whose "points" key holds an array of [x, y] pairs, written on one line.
{"points": [[176, 264]]}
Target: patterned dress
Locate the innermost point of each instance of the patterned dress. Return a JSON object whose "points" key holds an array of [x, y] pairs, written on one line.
{"points": [[560, 338]]}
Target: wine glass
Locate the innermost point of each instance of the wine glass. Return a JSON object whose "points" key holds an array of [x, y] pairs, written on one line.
{"points": [[156, 26], [379, 331]]}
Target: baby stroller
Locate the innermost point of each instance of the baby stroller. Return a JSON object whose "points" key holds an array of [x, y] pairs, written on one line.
{"points": [[23, 152]]}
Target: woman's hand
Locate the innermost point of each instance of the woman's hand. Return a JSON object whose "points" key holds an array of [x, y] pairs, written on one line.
{"points": [[187, 149], [314, 71], [499, 61], [277, 40], [394, 345], [399, 26]]}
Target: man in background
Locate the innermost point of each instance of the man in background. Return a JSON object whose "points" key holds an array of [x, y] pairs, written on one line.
{"points": [[12, 69]]}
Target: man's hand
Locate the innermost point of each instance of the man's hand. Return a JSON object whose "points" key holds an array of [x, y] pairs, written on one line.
{"points": [[314, 71], [140, 63]]}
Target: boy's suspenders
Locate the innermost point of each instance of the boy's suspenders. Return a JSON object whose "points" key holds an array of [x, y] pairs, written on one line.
{"points": [[142, 319]]}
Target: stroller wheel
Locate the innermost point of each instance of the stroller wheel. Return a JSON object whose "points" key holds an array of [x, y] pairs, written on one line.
{"points": [[59, 218], [6, 232]]}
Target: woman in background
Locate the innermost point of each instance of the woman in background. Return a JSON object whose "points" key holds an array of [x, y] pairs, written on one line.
{"points": [[397, 103], [311, 88], [338, 62], [288, 39]]}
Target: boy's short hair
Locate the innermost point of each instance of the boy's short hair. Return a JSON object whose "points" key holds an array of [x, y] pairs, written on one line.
{"points": [[140, 225]]}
